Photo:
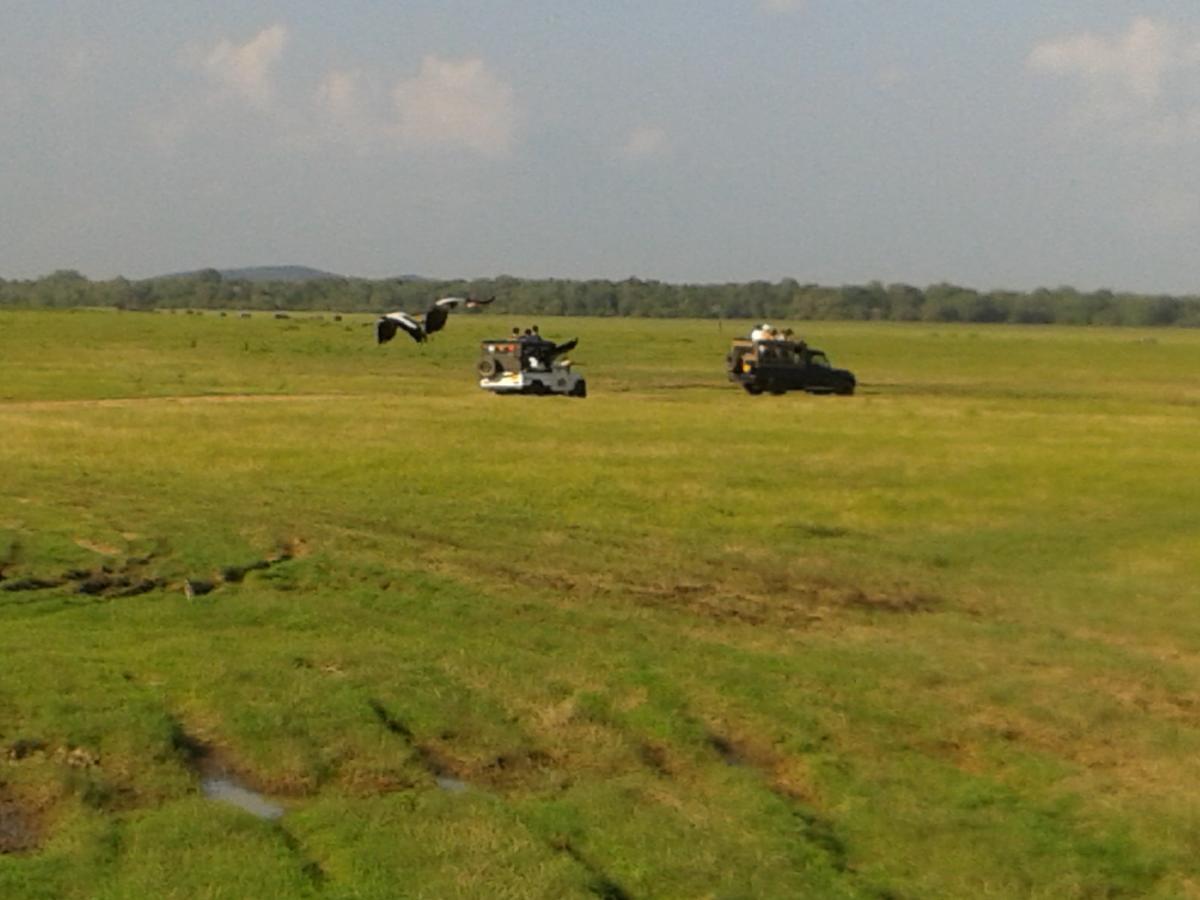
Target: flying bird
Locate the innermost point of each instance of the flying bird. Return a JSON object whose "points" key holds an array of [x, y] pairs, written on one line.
{"points": [[436, 315], [387, 326], [420, 326]]}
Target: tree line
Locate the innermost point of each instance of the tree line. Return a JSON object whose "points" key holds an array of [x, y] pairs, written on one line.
{"points": [[787, 299]]}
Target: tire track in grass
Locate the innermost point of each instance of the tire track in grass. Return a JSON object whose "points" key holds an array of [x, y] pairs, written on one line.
{"points": [[447, 777], [203, 762], [815, 829], [598, 882], [309, 867]]}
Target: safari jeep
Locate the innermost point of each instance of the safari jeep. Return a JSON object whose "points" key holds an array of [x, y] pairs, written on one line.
{"points": [[512, 366], [779, 366]]}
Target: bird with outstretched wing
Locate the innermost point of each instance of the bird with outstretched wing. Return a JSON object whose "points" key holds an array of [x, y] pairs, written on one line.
{"points": [[420, 326], [387, 326], [436, 315], [560, 349]]}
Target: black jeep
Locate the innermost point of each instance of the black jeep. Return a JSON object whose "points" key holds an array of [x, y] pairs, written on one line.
{"points": [[778, 366]]}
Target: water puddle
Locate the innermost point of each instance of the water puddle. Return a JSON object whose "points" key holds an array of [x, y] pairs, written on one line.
{"points": [[451, 785], [224, 789], [216, 782]]}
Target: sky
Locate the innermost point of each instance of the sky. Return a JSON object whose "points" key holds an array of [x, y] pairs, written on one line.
{"points": [[995, 145]]}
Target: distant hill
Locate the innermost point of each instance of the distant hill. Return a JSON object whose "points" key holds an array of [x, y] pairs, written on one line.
{"points": [[294, 274], [262, 273], [276, 273]]}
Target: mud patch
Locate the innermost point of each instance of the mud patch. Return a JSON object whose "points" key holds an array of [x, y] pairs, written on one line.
{"points": [[724, 748], [821, 531], [30, 584], [511, 768], [655, 758], [197, 587], [782, 603], [134, 575], [126, 578], [897, 602], [104, 584], [24, 748], [236, 573], [20, 830]]}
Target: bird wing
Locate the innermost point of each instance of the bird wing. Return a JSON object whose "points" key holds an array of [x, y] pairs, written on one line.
{"points": [[435, 318], [560, 349], [385, 330], [387, 326], [436, 315]]}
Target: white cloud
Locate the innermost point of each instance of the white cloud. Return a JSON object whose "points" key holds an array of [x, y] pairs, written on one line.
{"points": [[780, 7], [646, 142], [339, 94], [1125, 75], [245, 69], [349, 112], [447, 103], [238, 72], [456, 103]]}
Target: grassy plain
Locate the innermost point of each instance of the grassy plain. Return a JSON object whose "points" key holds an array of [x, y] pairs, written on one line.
{"points": [[938, 639]]}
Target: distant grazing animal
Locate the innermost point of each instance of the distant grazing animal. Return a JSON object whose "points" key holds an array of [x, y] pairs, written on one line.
{"points": [[420, 326]]}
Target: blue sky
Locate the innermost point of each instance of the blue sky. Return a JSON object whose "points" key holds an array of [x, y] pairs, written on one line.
{"points": [[1005, 145]]}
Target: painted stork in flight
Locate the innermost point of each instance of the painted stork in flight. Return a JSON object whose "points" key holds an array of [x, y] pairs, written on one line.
{"points": [[421, 325]]}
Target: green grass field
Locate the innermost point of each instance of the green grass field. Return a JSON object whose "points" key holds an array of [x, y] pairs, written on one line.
{"points": [[938, 639]]}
